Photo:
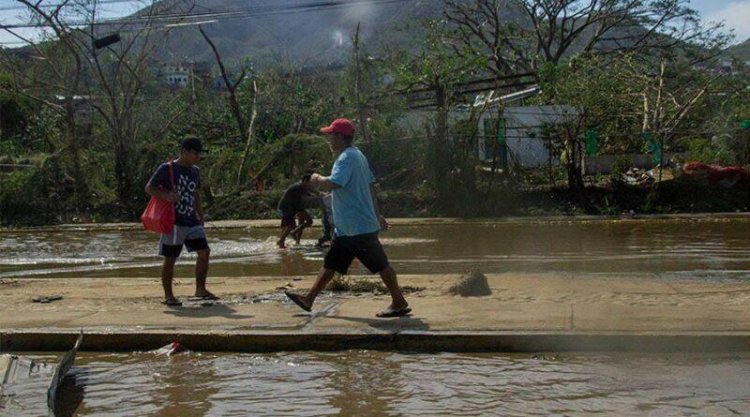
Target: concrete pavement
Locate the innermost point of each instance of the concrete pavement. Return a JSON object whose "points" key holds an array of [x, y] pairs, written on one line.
{"points": [[525, 312]]}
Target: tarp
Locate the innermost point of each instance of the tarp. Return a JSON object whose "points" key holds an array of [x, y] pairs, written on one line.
{"points": [[724, 176]]}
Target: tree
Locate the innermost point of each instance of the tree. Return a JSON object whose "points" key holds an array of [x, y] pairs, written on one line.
{"points": [[593, 96], [54, 79], [436, 71], [669, 95], [14, 109], [523, 35], [234, 105], [84, 64], [118, 75]]}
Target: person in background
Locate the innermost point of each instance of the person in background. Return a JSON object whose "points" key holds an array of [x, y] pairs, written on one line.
{"points": [[291, 208], [327, 218]]}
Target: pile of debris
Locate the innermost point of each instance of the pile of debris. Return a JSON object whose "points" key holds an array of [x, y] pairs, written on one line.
{"points": [[473, 285]]}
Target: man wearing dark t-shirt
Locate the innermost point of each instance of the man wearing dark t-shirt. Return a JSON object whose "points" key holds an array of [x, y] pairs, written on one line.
{"points": [[292, 206], [178, 182]]}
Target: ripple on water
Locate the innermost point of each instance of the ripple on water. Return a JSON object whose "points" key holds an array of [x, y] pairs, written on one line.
{"points": [[656, 247], [366, 383]]}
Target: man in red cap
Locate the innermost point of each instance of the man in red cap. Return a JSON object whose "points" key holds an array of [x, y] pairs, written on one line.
{"points": [[357, 221]]}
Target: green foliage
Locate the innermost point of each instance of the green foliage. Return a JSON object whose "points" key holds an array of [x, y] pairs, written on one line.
{"points": [[292, 102], [44, 133], [33, 195], [395, 155], [596, 87], [721, 149], [700, 149], [433, 171], [15, 111]]}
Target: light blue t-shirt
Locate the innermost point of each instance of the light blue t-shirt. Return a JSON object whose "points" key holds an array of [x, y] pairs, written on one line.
{"points": [[353, 212]]}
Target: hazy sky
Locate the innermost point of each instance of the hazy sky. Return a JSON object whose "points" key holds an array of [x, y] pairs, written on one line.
{"points": [[734, 13]]}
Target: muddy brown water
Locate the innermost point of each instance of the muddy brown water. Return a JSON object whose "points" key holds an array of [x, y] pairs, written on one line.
{"points": [[367, 383], [711, 249]]}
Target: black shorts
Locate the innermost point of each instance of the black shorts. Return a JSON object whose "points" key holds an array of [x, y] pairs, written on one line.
{"points": [[192, 237], [366, 248], [192, 245]]}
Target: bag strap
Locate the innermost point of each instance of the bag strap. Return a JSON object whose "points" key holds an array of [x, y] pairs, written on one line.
{"points": [[171, 174]]}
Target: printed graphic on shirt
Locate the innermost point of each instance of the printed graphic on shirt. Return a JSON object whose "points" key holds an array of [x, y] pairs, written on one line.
{"points": [[186, 189]]}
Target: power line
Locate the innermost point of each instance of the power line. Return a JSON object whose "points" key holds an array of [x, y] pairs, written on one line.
{"points": [[223, 15], [55, 5]]}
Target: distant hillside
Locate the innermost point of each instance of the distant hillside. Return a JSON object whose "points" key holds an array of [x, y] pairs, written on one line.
{"points": [[741, 51], [269, 32], [322, 36], [314, 38]]}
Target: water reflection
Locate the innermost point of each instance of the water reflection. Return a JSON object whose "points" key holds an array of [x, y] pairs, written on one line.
{"points": [[713, 250], [368, 383]]}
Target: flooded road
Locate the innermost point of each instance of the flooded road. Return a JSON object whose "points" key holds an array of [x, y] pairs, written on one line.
{"points": [[368, 383], [669, 249]]}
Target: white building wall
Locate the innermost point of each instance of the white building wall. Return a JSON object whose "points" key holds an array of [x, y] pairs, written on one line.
{"points": [[523, 132]]}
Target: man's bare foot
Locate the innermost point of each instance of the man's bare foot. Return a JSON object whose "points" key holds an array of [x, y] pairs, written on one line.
{"points": [[280, 244], [301, 301], [172, 302], [206, 295], [393, 311]]}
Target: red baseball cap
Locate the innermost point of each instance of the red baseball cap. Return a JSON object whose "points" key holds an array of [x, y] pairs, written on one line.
{"points": [[342, 126]]}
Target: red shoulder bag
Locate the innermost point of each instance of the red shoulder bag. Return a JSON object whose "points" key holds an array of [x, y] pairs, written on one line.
{"points": [[159, 214]]}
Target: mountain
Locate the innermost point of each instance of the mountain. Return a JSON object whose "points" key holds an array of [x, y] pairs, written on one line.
{"points": [[304, 33], [296, 32], [273, 31], [741, 51]]}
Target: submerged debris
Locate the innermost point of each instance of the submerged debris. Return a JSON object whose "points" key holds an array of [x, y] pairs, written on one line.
{"points": [[408, 289], [472, 285], [547, 357], [343, 283], [170, 349], [44, 299]]}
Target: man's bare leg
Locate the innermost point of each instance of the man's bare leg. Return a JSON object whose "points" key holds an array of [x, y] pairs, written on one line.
{"points": [[297, 232], [167, 275], [304, 220], [285, 231], [398, 302], [201, 273], [324, 277]]}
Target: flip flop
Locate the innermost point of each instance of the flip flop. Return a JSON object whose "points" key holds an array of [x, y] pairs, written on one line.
{"points": [[172, 303], [207, 297], [297, 300], [394, 313]]}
